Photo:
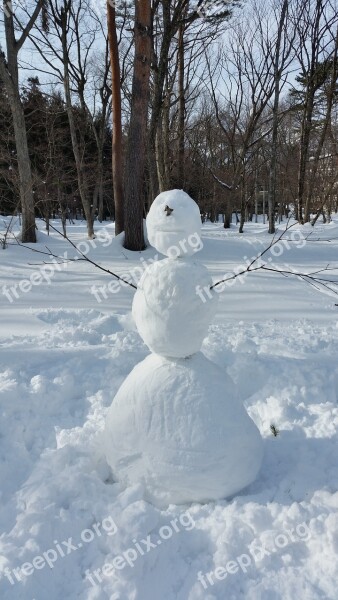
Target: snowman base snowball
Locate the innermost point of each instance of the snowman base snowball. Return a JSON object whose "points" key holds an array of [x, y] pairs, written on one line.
{"points": [[177, 428]]}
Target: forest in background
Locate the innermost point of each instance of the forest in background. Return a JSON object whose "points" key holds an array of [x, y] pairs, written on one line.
{"points": [[102, 108]]}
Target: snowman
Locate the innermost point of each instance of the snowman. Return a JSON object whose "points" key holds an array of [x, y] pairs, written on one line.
{"points": [[176, 425]]}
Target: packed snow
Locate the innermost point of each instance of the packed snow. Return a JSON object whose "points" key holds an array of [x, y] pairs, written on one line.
{"points": [[178, 235], [68, 341], [178, 428], [171, 318]]}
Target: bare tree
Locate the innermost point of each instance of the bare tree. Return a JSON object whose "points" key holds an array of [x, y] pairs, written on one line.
{"points": [[325, 109], [313, 22], [68, 51], [9, 73], [117, 155], [281, 50], [171, 18], [241, 82]]}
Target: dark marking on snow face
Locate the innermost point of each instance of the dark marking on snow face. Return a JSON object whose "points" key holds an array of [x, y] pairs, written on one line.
{"points": [[274, 430], [168, 210]]}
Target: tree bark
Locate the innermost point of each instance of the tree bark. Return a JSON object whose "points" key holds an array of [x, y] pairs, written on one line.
{"points": [[10, 76], [277, 80], [312, 55], [136, 149], [117, 119], [243, 202], [330, 98], [28, 228], [157, 97], [181, 106], [83, 188]]}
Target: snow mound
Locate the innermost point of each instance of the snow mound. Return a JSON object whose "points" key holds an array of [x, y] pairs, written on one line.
{"points": [[178, 428]]}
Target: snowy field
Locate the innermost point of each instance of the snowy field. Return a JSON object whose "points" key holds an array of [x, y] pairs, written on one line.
{"points": [[67, 530]]}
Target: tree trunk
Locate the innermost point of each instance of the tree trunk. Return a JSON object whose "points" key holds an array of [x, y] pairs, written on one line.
{"points": [[117, 119], [228, 214], [83, 188], [243, 203], [181, 106], [100, 215], [330, 98], [28, 230], [9, 75], [227, 221], [304, 151], [136, 149], [160, 160], [273, 163], [162, 147], [160, 71], [306, 126]]}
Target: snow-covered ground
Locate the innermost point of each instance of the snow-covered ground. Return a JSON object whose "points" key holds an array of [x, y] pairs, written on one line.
{"points": [[67, 530]]}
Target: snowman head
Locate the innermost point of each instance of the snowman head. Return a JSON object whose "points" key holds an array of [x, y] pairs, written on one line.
{"points": [[174, 224]]}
